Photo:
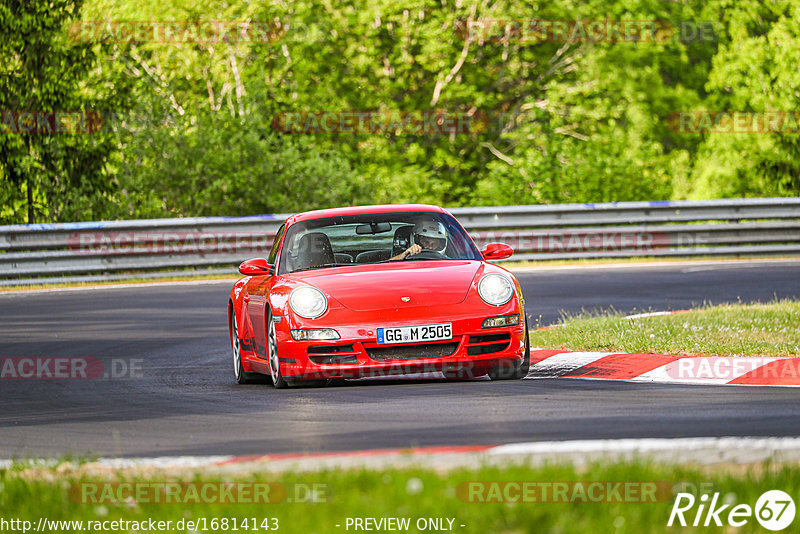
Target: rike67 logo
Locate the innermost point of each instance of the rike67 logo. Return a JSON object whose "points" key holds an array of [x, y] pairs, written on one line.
{"points": [[774, 510]]}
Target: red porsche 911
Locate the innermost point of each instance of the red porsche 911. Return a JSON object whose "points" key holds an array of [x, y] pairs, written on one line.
{"points": [[375, 291]]}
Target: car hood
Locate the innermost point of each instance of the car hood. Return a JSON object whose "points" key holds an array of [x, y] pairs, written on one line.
{"points": [[383, 286]]}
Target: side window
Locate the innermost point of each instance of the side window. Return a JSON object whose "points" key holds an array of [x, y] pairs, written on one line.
{"points": [[273, 252]]}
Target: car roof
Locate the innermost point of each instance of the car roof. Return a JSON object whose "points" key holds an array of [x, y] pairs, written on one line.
{"points": [[362, 210]]}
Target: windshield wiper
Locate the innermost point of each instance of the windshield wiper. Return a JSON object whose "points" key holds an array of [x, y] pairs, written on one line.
{"points": [[410, 258], [322, 266]]}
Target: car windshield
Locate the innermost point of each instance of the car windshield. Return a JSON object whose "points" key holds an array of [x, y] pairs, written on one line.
{"points": [[374, 238]]}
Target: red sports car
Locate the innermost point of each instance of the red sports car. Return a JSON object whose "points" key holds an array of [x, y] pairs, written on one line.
{"points": [[377, 290]]}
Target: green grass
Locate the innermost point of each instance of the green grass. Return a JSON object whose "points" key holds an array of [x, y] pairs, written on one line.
{"points": [[415, 494], [770, 329]]}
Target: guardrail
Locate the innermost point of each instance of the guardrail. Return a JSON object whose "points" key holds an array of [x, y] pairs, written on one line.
{"points": [[146, 248]]}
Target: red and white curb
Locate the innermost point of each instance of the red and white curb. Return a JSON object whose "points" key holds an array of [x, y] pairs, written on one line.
{"points": [[707, 451], [663, 368]]}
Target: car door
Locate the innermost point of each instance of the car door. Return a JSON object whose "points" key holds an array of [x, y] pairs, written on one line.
{"points": [[257, 297]]}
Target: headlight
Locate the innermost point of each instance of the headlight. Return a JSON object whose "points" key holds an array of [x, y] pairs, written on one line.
{"points": [[495, 289], [308, 302]]}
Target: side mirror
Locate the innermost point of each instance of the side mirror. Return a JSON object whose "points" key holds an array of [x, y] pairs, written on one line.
{"points": [[255, 267], [497, 251]]}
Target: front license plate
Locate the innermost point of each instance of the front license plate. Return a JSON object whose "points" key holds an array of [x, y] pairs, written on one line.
{"points": [[415, 334]]}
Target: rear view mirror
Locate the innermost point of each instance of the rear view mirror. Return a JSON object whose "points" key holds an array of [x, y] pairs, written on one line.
{"points": [[255, 267], [373, 228]]}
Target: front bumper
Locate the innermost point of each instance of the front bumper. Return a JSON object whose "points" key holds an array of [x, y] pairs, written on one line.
{"points": [[357, 354]]}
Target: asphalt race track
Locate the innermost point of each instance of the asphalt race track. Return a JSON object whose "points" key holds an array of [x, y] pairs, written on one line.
{"points": [[182, 400]]}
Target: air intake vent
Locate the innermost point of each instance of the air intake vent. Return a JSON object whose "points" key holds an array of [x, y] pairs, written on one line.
{"points": [[489, 338], [330, 349], [410, 352], [334, 360], [487, 349]]}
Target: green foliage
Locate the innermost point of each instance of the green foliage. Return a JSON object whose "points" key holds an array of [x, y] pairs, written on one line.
{"points": [[231, 165], [755, 69], [189, 124], [48, 177]]}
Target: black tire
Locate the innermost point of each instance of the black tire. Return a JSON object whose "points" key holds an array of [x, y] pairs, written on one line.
{"points": [[517, 371], [525, 364], [272, 354], [242, 376]]}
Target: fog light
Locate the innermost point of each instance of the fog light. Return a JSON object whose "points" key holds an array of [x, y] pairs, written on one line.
{"points": [[314, 334], [504, 320]]}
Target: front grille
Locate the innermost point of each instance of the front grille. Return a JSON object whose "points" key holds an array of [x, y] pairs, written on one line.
{"points": [[334, 360], [408, 352]]}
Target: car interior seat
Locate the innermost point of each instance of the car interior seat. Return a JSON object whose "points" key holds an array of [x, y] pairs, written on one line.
{"points": [[314, 250]]}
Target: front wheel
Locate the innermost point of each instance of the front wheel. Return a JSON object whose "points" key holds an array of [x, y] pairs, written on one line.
{"points": [[274, 361], [242, 376], [516, 371]]}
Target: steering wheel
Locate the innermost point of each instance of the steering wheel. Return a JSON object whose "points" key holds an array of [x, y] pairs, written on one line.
{"points": [[426, 255]]}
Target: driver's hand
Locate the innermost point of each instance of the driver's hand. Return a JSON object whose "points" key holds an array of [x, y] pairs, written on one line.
{"points": [[413, 249]]}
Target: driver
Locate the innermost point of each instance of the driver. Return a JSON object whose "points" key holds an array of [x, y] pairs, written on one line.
{"points": [[428, 236]]}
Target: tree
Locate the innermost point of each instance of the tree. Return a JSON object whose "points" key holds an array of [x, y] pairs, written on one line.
{"points": [[755, 71], [42, 88]]}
